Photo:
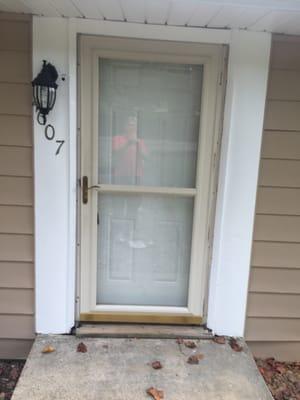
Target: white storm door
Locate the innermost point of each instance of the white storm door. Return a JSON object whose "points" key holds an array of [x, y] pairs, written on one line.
{"points": [[146, 194]]}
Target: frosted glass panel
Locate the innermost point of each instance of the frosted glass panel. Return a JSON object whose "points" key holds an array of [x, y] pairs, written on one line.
{"points": [[144, 245], [148, 123]]}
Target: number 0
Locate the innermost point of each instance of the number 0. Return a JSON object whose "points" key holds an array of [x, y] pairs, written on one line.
{"points": [[49, 132]]}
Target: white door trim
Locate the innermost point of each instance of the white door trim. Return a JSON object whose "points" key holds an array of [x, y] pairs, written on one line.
{"points": [[211, 57]]}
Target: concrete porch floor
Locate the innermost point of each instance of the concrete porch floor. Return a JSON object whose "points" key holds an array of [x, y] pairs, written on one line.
{"points": [[120, 369]]}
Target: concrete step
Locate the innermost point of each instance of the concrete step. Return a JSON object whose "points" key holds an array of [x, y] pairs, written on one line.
{"points": [[142, 331], [120, 369]]}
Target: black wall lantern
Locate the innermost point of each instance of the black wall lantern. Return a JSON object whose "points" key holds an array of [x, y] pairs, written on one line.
{"points": [[44, 91]]}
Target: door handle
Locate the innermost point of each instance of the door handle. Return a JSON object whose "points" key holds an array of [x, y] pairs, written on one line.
{"points": [[86, 188]]}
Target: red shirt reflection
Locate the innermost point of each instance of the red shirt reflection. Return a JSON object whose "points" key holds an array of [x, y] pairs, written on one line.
{"points": [[129, 152]]}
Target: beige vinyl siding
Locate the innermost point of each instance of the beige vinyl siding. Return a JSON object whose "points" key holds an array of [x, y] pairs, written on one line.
{"points": [[16, 194], [273, 314]]}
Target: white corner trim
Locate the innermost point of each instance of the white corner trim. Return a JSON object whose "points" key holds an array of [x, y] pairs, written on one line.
{"points": [[54, 182], [240, 155]]}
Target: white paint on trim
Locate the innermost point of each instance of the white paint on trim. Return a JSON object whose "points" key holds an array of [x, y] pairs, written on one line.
{"points": [[148, 31], [55, 39], [54, 203], [240, 154]]}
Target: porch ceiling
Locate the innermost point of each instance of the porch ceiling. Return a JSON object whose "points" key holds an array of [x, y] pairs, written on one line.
{"points": [[280, 16]]}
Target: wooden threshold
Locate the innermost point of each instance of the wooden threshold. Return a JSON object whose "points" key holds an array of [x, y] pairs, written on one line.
{"points": [[142, 318], [148, 331]]}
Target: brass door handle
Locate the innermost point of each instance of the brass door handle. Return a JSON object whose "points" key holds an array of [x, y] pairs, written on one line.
{"points": [[86, 188]]}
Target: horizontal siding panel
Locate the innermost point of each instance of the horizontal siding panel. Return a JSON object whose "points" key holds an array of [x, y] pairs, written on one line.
{"points": [[282, 116], [277, 228], [15, 99], [16, 301], [16, 248], [273, 305], [285, 55], [16, 275], [284, 85], [16, 326], [15, 35], [273, 312], [16, 219], [15, 67], [272, 329], [281, 144], [275, 280], [278, 201], [282, 351], [280, 173], [16, 161], [15, 348], [11, 16], [276, 255], [16, 191], [16, 183], [15, 130]]}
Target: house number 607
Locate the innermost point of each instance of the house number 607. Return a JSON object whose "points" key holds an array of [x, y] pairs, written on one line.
{"points": [[50, 135]]}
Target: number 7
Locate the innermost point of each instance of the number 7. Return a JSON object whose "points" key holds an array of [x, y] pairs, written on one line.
{"points": [[61, 142]]}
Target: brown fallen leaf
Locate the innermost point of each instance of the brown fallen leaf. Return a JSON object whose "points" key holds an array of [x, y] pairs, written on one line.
{"points": [[48, 349], [234, 345], [14, 373], [156, 365], [219, 339], [179, 340], [194, 358], [190, 344], [81, 348], [155, 393]]}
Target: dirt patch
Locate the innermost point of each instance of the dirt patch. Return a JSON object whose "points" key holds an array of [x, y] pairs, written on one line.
{"points": [[283, 379], [10, 371]]}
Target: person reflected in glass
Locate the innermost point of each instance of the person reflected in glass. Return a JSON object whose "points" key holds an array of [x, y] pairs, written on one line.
{"points": [[129, 154]]}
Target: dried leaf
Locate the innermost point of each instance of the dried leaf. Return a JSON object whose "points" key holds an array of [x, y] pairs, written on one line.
{"points": [[179, 340], [219, 339], [234, 345], [156, 365], [48, 349], [14, 373], [194, 358], [81, 348], [155, 393], [190, 344]]}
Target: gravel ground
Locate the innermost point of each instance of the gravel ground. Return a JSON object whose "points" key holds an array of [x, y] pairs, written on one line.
{"points": [[10, 371], [282, 378]]}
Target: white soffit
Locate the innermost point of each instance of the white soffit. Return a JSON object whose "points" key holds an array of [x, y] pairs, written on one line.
{"points": [[280, 16]]}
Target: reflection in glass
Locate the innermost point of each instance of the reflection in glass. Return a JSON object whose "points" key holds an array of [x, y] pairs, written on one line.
{"points": [[148, 123]]}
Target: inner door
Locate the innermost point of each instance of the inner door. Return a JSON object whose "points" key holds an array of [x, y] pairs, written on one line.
{"points": [[145, 179]]}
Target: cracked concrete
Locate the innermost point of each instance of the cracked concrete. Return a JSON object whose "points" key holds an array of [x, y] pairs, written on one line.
{"points": [[120, 369]]}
